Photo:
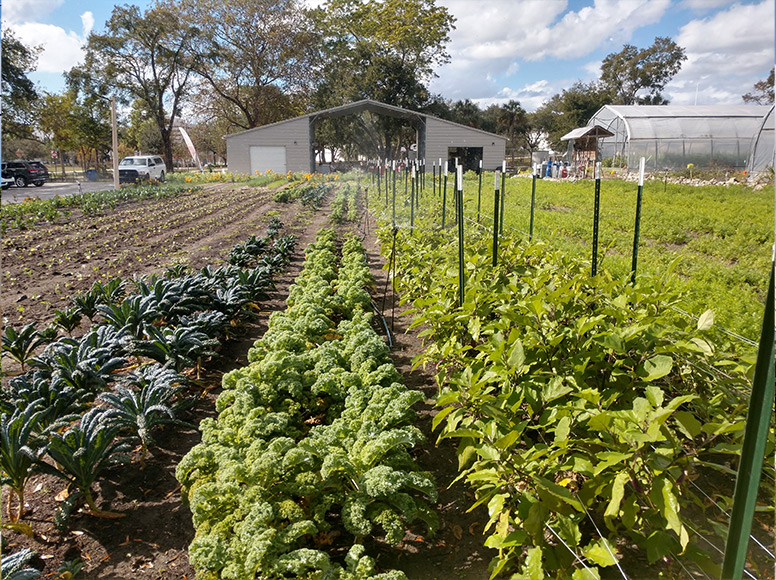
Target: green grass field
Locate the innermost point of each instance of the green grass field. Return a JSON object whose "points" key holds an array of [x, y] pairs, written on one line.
{"points": [[720, 238]]}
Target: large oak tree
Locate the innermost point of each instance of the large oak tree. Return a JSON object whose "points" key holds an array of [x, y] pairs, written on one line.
{"points": [[143, 55]]}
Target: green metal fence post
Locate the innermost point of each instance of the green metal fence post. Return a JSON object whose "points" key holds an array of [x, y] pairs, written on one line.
{"points": [[479, 193], [444, 198], [753, 448], [412, 201], [634, 263], [596, 212], [533, 202], [503, 196], [461, 277], [495, 218]]}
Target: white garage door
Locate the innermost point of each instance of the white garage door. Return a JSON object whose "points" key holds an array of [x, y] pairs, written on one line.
{"points": [[263, 158]]}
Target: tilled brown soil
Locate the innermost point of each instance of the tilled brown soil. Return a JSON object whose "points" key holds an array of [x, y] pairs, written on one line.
{"points": [[44, 265]]}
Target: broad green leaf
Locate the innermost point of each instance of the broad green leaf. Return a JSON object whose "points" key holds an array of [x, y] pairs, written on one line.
{"points": [[659, 544], [474, 327], [502, 527], [688, 424], [507, 440], [618, 492], [562, 430], [614, 342], [516, 356], [656, 367], [671, 509], [706, 320], [609, 458], [654, 395], [568, 529], [555, 389], [601, 552], [586, 574], [439, 417], [474, 434], [703, 345], [532, 568]]}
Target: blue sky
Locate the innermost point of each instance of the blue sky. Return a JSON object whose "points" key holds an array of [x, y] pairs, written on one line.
{"points": [[526, 50]]}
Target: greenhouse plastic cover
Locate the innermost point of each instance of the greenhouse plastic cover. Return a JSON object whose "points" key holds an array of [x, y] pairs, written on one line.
{"points": [[673, 136]]}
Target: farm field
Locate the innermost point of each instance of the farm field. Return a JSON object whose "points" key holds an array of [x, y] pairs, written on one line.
{"points": [[716, 239], [462, 368], [201, 227]]}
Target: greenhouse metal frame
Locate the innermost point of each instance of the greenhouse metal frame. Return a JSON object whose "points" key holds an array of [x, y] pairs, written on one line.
{"points": [[672, 137]]}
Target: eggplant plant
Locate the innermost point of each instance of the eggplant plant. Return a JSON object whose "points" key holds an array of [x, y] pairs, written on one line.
{"points": [[145, 403], [20, 344], [83, 452], [20, 446]]}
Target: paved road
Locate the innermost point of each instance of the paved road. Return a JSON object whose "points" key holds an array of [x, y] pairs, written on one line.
{"points": [[48, 190]]}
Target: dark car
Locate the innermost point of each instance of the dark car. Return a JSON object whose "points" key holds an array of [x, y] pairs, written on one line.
{"points": [[25, 172]]}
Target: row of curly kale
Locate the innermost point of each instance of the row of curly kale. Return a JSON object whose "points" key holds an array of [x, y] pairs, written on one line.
{"points": [[311, 442], [168, 325]]}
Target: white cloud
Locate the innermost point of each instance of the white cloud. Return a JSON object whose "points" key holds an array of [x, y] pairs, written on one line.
{"points": [[703, 5], [531, 29], [531, 96], [24, 10], [726, 54], [62, 49]]}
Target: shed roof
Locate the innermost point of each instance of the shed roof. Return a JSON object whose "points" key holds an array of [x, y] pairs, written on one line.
{"points": [[372, 107], [591, 132]]}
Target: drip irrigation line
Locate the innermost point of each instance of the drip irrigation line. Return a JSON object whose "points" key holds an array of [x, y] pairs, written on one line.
{"points": [[385, 323]]}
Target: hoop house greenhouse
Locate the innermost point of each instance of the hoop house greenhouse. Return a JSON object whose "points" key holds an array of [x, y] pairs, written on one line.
{"points": [[673, 136]]}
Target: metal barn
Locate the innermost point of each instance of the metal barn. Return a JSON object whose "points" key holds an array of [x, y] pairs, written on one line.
{"points": [[290, 145]]}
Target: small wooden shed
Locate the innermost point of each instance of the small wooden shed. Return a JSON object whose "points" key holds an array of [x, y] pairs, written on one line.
{"points": [[584, 151]]}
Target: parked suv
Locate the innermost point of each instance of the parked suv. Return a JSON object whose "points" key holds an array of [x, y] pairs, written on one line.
{"points": [[142, 168], [25, 172]]}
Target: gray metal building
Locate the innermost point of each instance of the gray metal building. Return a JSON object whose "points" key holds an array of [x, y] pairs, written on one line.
{"points": [[289, 145]]}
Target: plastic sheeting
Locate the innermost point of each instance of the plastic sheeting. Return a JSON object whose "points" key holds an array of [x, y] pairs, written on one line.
{"points": [[761, 156], [673, 136]]}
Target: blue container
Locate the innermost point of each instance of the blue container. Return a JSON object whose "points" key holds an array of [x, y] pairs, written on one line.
{"points": [[548, 171], [91, 174]]}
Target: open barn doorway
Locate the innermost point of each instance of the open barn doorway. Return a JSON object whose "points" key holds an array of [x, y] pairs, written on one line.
{"points": [[469, 157]]}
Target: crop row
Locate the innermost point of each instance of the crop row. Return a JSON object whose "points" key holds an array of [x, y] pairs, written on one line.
{"points": [[24, 215], [311, 445], [80, 409], [344, 206], [584, 407]]}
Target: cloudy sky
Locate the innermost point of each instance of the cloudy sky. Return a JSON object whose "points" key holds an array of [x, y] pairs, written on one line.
{"points": [[527, 50]]}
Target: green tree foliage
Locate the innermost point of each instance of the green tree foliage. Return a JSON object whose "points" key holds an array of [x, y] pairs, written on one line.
{"points": [[385, 51], [57, 121], [632, 70], [763, 92], [144, 55], [569, 109], [18, 91], [258, 58]]}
